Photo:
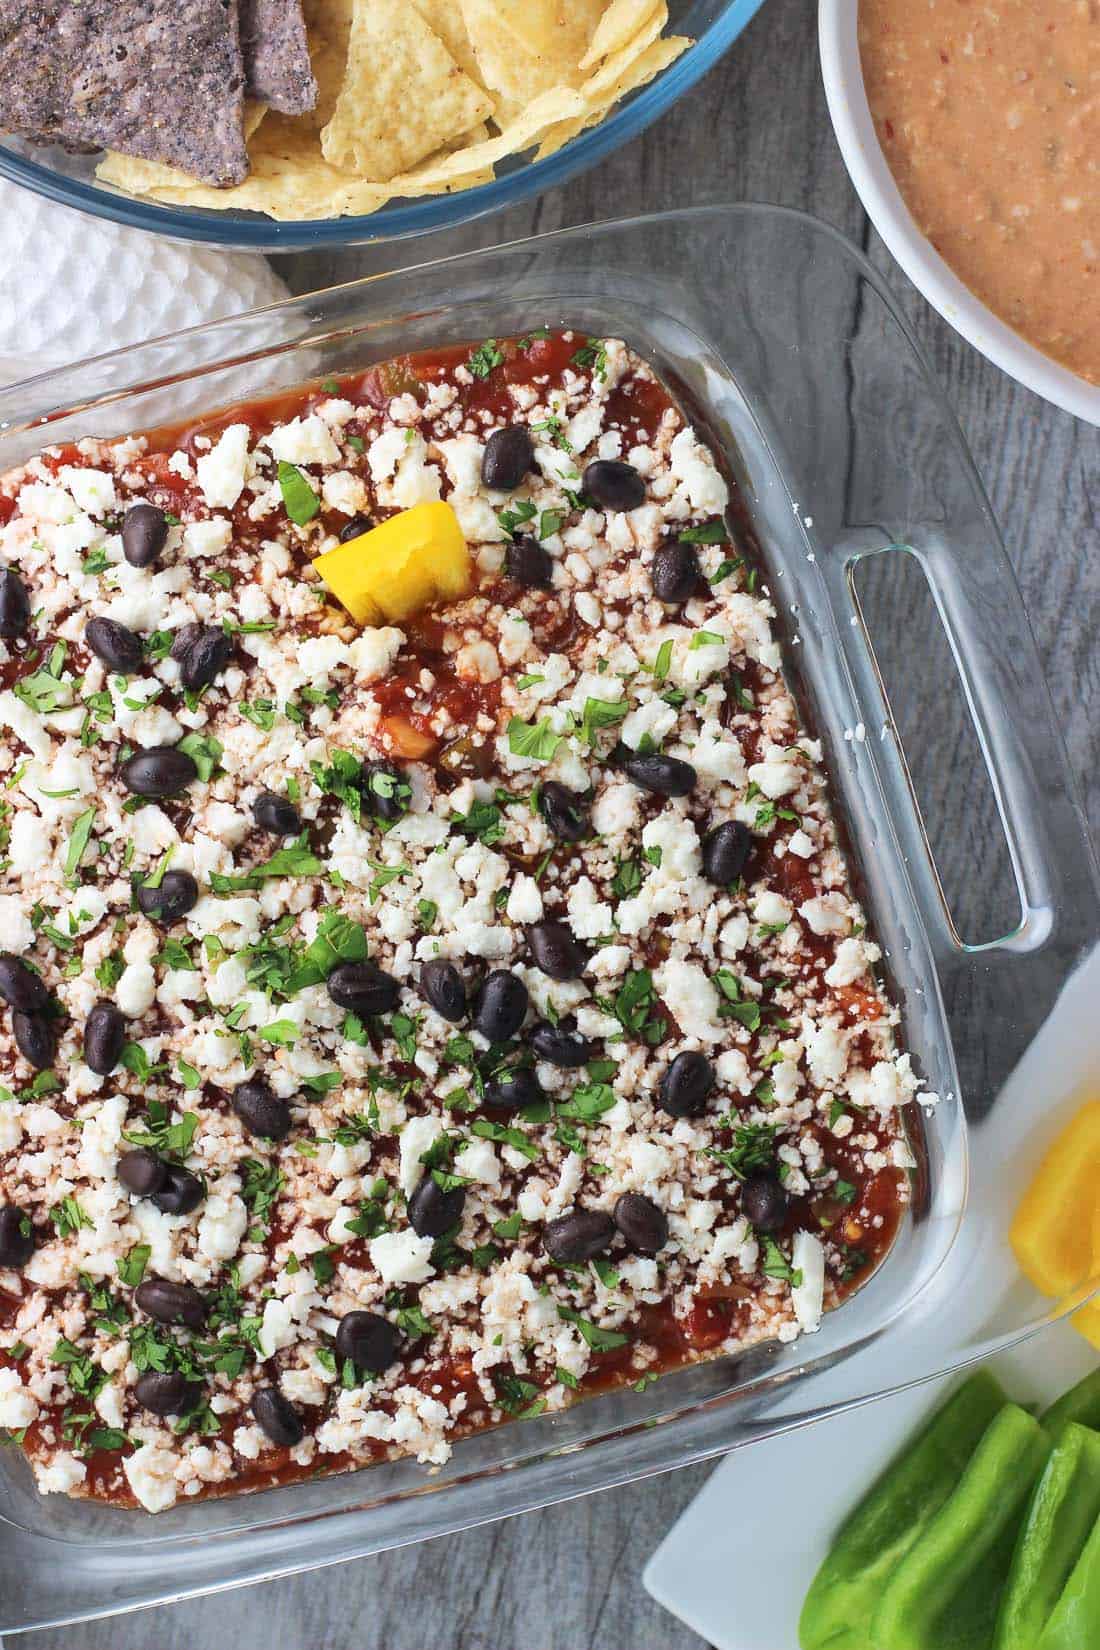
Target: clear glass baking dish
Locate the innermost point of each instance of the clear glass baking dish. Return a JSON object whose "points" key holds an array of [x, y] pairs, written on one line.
{"points": [[786, 338]]}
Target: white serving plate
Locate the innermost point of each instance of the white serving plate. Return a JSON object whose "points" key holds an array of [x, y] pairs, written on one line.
{"points": [[737, 1564], [874, 183]]}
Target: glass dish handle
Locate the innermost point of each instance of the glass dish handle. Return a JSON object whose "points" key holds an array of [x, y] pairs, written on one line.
{"points": [[1001, 677]]}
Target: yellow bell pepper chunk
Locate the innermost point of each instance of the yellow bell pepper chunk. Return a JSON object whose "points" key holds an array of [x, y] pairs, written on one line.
{"points": [[408, 563], [1087, 1321], [1052, 1234]]}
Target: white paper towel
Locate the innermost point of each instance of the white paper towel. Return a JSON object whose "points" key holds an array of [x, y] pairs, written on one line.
{"points": [[73, 286]]}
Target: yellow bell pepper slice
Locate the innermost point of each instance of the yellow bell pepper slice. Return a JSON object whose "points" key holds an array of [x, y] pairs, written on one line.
{"points": [[1052, 1234], [1087, 1320], [406, 564]]}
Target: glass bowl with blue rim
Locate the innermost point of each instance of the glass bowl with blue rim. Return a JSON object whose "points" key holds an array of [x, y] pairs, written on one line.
{"points": [[69, 178]]}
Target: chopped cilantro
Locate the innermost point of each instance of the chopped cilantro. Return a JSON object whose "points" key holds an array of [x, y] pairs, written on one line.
{"points": [[601, 713], [592, 354], [538, 741], [299, 499], [753, 1149], [599, 1339], [131, 1267], [79, 840], [167, 1139], [487, 1130], [205, 752], [483, 359], [776, 1264], [711, 532], [520, 510]]}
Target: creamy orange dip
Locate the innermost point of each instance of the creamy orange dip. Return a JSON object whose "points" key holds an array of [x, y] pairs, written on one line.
{"points": [[989, 116]]}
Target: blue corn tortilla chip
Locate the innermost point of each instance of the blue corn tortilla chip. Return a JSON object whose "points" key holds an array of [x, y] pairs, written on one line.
{"points": [[160, 79], [276, 55]]}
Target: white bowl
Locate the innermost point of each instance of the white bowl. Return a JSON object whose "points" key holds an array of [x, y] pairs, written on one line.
{"points": [[874, 183]]}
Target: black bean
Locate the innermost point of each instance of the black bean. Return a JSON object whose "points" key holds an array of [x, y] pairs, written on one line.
{"points": [[764, 1202], [613, 485], [355, 528], [169, 1302], [176, 893], [15, 605], [35, 1038], [16, 1237], [578, 1236], [561, 1045], [512, 1090], [725, 850], [555, 950], [166, 1392], [661, 775], [385, 790], [642, 1223], [119, 649], [432, 1211], [144, 534], [686, 1084], [182, 1191], [104, 1037], [528, 563], [141, 1171], [370, 1341], [509, 455], [443, 986], [501, 1005], [261, 1110], [675, 573], [276, 814], [20, 987], [364, 988], [563, 811], [202, 652], [276, 1416], [162, 771]]}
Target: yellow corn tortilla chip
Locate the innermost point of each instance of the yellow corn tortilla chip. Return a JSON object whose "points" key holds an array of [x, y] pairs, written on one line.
{"points": [[140, 177], [506, 113], [558, 104], [526, 47], [622, 20], [328, 25], [403, 94], [445, 19], [291, 177], [617, 64], [645, 68], [290, 180]]}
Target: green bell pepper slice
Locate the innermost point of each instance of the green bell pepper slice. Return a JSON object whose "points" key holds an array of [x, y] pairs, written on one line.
{"points": [[945, 1592], [1075, 1622], [1063, 1510], [1081, 1403], [890, 1518]]}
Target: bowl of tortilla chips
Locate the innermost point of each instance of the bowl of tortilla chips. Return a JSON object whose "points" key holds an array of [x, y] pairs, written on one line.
{"points": [[288, 124]]}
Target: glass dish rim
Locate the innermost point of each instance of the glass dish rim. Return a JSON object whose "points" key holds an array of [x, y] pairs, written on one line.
{"points": [[255, 233], [313, 326]]}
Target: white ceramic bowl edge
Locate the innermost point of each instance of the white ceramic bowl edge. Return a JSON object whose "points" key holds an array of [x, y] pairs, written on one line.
{"points": [[875, 186]]}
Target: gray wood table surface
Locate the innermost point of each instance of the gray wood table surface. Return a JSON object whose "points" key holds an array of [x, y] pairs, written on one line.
{"points": [[569, 1578]]}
